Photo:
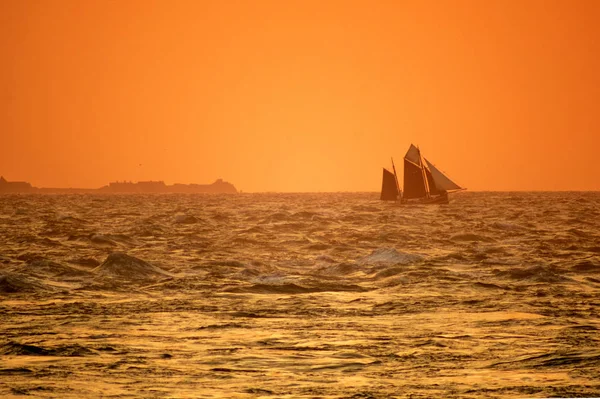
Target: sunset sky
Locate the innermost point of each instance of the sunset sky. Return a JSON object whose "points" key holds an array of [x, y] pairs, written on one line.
{"points": [[300, 95]]}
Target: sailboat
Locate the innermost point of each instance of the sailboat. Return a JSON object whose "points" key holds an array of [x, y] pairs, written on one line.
{"points": [[423, 182]]}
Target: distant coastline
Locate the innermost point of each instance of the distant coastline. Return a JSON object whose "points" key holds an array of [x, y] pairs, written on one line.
{"points": [[218, 187]]}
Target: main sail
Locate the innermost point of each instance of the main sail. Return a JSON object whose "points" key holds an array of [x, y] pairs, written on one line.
{"points": [[389, 187], [423, 181], [414, 185], [414, 180]]}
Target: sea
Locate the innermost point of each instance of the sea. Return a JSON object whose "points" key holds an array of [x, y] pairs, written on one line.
{"points": [[325, 295]]}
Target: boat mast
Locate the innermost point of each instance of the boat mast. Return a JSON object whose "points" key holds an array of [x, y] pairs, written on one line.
{"points": [[425, 182], [396, 176]]}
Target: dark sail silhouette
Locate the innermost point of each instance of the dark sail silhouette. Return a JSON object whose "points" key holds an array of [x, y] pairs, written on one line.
{"points": [[389, 186], [423, 182], [414, 184], [442, 182]]}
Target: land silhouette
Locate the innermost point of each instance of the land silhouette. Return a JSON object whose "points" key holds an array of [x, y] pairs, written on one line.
{"points": [[219, 186]]}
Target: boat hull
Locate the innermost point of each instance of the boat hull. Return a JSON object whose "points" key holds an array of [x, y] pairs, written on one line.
{"points": [[441, 199]]}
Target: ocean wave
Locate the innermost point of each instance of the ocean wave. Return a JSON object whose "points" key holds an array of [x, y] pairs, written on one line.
{"points": [[126, 268], [553, 359], [18, 349], [185, 219], [471, 237], [586, 266], [340, 269], [506, 226], [389, 256], [291, 288], [41, 267], [541, 274], [13, 283], [102, 241]]}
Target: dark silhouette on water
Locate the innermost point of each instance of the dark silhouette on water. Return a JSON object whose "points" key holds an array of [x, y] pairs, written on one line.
{"points": [[423, 182], [14, 186], [218, 187]]}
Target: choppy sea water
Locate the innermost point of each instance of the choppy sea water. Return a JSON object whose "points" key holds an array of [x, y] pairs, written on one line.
{"points": [[299, 296]]}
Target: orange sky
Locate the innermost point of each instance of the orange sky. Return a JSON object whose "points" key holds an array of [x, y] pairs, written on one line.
{"points": [[300, 95]]}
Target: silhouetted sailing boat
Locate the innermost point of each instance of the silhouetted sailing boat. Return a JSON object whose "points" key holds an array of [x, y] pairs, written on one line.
{"points": [[423, 182]]}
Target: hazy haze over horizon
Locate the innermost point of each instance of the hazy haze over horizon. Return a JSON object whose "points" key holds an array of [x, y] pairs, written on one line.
{"points": [[301, 95]]}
